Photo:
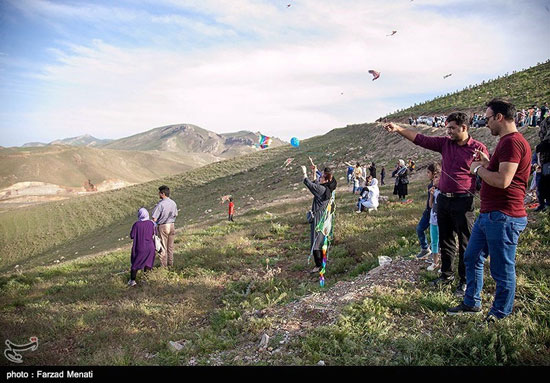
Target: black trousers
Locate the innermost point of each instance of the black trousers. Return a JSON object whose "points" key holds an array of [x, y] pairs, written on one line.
{"points": [[133, 273], [455, 215], [318, 257]]}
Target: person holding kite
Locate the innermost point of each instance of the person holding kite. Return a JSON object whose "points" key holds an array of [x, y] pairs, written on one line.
{"points": [[322, 195]]}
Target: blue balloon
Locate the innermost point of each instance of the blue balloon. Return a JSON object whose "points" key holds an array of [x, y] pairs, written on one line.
{"points": [[294, 142]]}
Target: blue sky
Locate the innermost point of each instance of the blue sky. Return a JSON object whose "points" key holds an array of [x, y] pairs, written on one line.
{"points": [[116, 68]]}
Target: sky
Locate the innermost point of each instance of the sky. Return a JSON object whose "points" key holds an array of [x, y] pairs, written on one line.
{"points": [[116, 68]]}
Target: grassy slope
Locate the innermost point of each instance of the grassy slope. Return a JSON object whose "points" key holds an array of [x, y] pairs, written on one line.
{"points": [[524, 89], [85, 225], [84, 314]]}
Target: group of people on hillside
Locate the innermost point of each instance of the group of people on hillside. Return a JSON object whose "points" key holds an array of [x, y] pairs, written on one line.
{"points": [[358, 176], [504, 176], [533, 116], [449, 211]]}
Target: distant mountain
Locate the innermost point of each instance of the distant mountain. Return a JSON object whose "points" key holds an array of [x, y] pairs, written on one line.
{"points": [[84, 140], [187, 138], [39, 172], [33, 144]]}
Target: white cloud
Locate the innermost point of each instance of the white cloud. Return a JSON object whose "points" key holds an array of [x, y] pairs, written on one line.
{"points": [[286, 79]]}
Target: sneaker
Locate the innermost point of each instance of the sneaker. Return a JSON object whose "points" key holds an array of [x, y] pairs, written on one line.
{"points": [[460, 290], [463, 309], [441, 281], [423, 254], [490, 318], [358, 211], [315, 270], [131, 283], [432, 267]]}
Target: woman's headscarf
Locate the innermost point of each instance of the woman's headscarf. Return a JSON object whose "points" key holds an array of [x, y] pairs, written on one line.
{"points": [[330, 187], [143, 214], [401, 163], [374, 192]]}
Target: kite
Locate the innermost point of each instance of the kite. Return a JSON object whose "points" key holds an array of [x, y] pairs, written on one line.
{"points": [[325, 227], [294, 142], [225, 198], [288, 161], [447, 75], [375, 74], [288, 6], [392, 33], [264, 142]]}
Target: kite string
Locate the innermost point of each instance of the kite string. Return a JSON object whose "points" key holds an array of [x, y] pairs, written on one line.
{"points": [[467, 191]]}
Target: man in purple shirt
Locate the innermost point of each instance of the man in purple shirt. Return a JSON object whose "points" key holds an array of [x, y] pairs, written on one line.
{"points": [[457, 185]]}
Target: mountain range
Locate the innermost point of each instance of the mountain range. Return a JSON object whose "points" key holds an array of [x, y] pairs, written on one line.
{"points": [[38, 172]]}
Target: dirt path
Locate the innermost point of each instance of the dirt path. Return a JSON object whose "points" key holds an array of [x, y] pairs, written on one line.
{"points": [[295, 319]]}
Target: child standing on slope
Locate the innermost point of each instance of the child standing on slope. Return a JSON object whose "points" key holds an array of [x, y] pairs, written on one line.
{"points": [[231, 209], [434, 229]]}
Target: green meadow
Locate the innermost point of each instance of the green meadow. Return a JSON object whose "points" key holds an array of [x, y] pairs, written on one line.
{"points": [[64, 268]]}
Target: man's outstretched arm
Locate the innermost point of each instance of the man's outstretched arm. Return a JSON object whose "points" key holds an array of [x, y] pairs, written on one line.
{"points": [[407, 133]]}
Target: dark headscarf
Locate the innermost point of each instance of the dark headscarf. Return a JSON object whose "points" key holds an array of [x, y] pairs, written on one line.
{"points": [[330, 187]]}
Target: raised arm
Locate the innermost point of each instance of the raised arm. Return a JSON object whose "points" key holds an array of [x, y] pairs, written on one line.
{"points": [[409, 134]]}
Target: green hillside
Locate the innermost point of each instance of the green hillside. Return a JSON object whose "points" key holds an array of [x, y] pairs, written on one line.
{"points": [[234, 282], [524, 89], [37, 234], [64, 268]]}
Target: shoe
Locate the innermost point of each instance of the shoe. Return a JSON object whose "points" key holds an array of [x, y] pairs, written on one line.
{"points": [[131, 283], [358, 211], [432, 267], [490, 318], [423, 254], [463, 309], [315, 270], [460, 290], [441, 281]]}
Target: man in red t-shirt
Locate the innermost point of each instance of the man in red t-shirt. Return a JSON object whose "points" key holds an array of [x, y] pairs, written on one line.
{"points": [[231, 209], [502, 215]]}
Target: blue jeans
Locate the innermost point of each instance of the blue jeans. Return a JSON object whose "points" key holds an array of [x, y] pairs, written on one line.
{"points": [[422, 226], [494, 234]]}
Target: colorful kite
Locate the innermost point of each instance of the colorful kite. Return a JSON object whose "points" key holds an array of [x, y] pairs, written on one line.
{"points": [[447, 75], [325, 227], [375, 74], [225, 198], [294, 142], [264, 142], [392, 33]]}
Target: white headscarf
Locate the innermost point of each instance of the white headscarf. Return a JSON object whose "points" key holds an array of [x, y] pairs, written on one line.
{"points": [[374, 192], [401, 163]]}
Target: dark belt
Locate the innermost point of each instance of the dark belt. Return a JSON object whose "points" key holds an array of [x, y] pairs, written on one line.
{"points": [[456, 195]]}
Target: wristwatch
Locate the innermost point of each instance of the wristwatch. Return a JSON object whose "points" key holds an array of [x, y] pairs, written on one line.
{"points": [[476, 169]]}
